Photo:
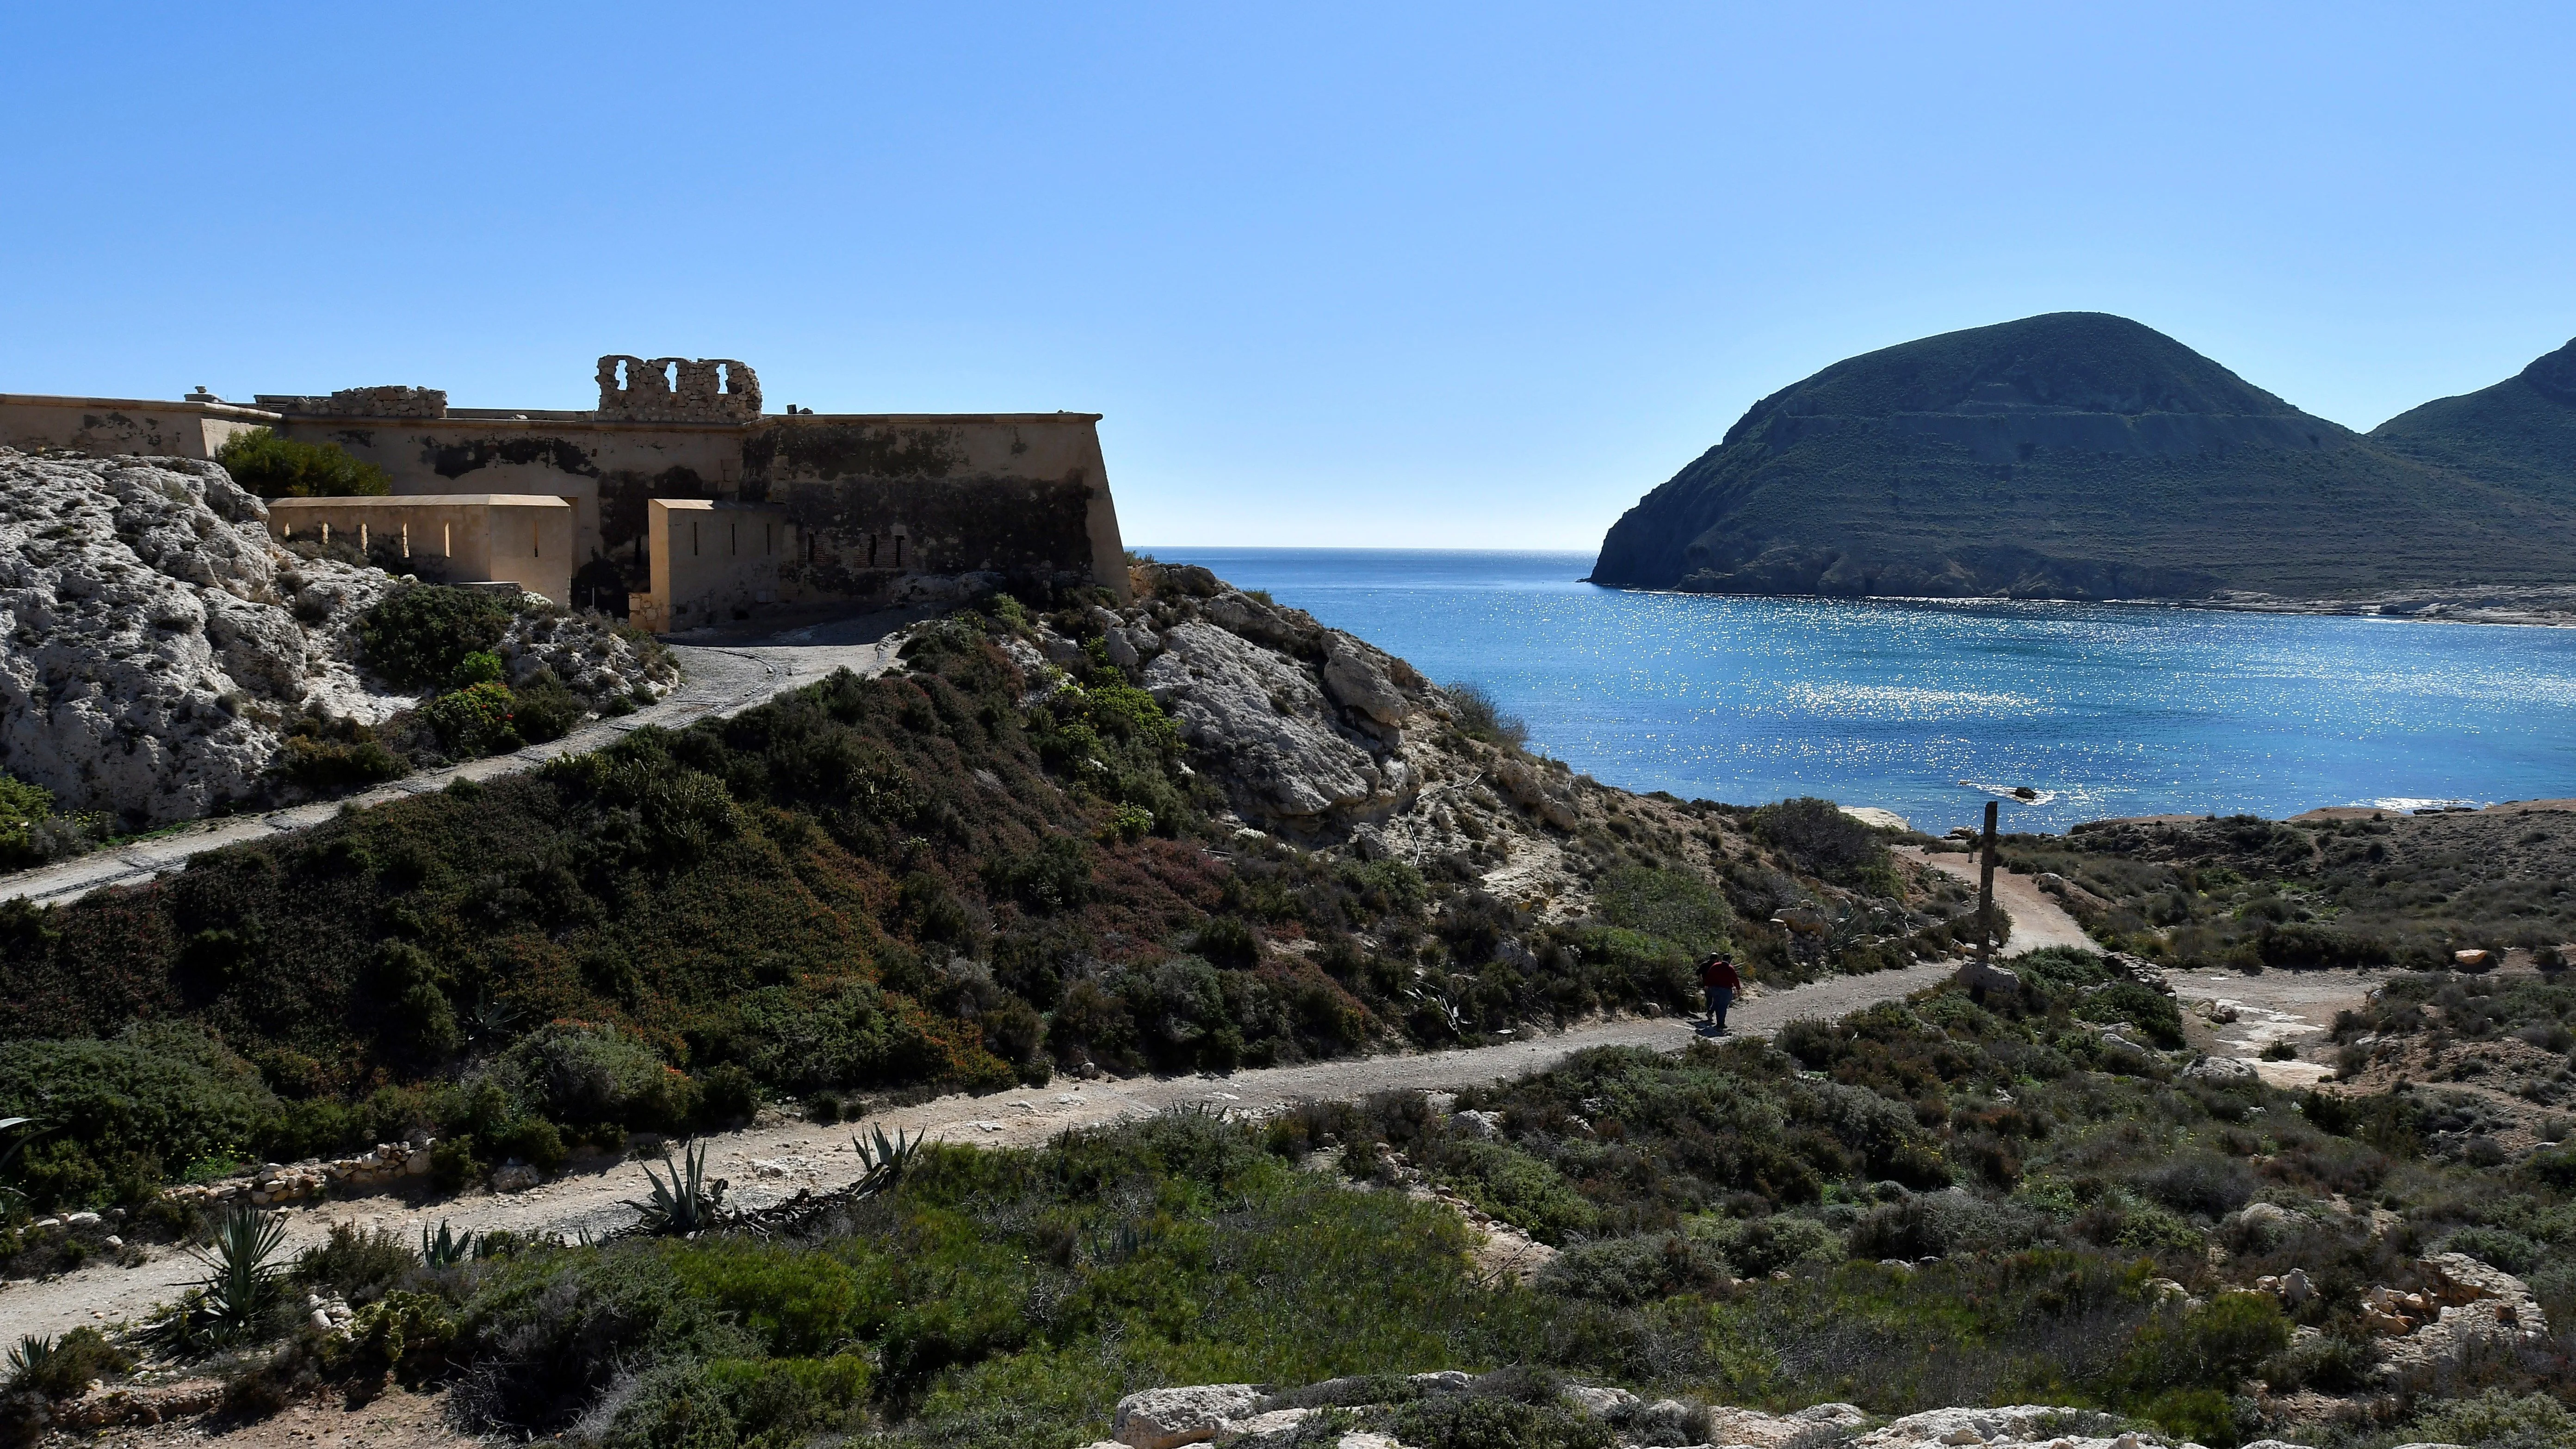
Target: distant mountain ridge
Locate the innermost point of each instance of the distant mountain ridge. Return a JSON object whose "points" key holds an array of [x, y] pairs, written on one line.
{"points": [[2082, 455]]}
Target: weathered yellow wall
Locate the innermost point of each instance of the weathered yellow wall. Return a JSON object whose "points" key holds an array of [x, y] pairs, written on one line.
{"points": [[713, 560], [103, 426], [1025, 495], [470, 538]]}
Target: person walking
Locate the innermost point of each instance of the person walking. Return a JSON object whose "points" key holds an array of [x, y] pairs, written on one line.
{"points": [[1718, 983]]}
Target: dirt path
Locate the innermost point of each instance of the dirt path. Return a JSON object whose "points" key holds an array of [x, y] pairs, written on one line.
{"points": [[720, 678], [2294, 1006], [769, 1163], [2037, 921]]}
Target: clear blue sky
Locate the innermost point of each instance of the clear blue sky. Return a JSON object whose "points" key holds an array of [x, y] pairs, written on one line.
{"points": [[1476, 275]]}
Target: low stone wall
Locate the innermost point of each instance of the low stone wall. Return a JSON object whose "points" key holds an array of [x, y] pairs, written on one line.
{"points": [[103, 426], [523, 539], [389, 1165]]}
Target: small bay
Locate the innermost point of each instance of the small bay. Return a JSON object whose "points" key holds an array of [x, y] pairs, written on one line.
{"points": [[2101, 709]]}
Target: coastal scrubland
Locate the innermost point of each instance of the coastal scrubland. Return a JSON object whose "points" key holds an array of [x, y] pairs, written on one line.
{"points": [[1009, 858], [1941, 1201], [2343, 888], [977, 871]]}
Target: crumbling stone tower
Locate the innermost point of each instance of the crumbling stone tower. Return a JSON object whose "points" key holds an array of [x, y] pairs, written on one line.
{"points": [[678, 390]]}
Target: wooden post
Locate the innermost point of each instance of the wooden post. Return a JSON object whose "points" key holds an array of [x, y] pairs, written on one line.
{"points": [[1986, 894]]}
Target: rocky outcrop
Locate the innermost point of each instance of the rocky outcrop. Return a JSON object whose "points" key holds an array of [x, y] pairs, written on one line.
{"points": [[1309, 725], [1253, 1417], [2038, 1426], [2463, 1302], [153, 642], [156, 647]]}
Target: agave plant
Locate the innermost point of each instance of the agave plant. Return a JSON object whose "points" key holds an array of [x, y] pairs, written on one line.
{"points": [[688, 1202], [447, 1249], [886, 1160], [10, 1196], [29, 1357], [243, 1289]]}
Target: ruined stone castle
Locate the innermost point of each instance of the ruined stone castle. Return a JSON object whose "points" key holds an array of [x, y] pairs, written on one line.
{"points": [[676, 498]]}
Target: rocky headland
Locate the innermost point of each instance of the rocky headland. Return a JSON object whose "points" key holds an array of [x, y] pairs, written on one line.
{"points": [[2083, 456]]}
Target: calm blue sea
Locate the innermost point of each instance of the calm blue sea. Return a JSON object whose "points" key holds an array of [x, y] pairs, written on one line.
{"points": [[1925, 708]]}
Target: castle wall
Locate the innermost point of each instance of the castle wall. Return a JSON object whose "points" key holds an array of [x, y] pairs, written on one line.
{"points": [[103, 426], [714, 562], [868, 499], [1021, 494], [460, 538]]}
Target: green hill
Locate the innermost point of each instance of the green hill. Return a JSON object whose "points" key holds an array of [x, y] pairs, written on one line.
{"points": [[2080, 455], [2519, 434]]}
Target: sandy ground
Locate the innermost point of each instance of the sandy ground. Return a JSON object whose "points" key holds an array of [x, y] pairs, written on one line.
{"points": [[2294, 1006], [392, 1420], [720, 677], [769, 1163], [2037, 921]]}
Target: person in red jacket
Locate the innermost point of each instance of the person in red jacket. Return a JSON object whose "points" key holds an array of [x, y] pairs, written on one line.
{"points": [[1718, 981]]}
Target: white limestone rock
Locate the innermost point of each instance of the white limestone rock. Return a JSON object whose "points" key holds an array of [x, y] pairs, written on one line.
{"points": [[1167, 1418], [1355, 678], [155, 644], [2020, 1424], [1264, 716], [589, 655], [2220, 1069], [153, 641]]}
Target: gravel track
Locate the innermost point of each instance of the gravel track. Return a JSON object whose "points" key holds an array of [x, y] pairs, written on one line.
{"points": [[771, 1162], [2037, 921]]}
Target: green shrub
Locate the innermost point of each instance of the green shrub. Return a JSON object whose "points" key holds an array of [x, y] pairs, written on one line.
{"points": [[585, 1076], [1228, 942], [474, 721], [2502, 1247], [1053, 875], [31, 833], [1674, 905], [165, 1092], [731, 1401], [2199, 1416], [318, 761], [2218, 1342], [2496, 1419], [418, 637], [1522, 1190], [63, 1368], [728, 1097], [1819, 838], [2203, 1183], [357, 1265], [276, 467], [1759, 1247], [1464, 1421], [1479, 718], [1635, 1270], [2151, 1011]]}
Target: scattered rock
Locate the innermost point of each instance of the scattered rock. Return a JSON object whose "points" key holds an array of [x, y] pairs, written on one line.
{"points": [[1976, 976], [2222, 1069], [1599, 1402], [1164, 1418]]}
